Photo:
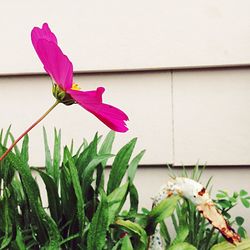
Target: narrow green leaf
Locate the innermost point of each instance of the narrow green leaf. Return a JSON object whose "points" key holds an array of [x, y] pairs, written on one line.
{"points": [[16, 149], [5, 141], [165, 233], [126, 243], [134, 199], [72, 237], [182, 246], [48, 160], [25, 149], [133, 165], [7, 223], [107, 144], [78, 191], [182, 234], [89, 171], [134, 229], [98, 227], [83, 146], [43, 221], [57, 156], [116, 200], [1, 136], [163, 210], [68, 198], [120, 165], [52, 193], [87, 155], [20, 241]]}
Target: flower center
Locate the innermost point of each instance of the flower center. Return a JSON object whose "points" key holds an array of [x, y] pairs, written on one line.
{"points": [[62, 96], [75, 86]]}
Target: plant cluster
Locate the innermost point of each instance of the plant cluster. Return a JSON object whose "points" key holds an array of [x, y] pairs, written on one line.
{"points": [[84, 211], [191, 227]]}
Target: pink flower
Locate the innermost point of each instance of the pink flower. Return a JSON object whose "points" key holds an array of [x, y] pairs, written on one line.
{"points": [[60, 69]]}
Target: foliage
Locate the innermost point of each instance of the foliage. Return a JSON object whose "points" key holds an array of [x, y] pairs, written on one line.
{"points": [[191, 227], [81, 211], [244, 245], [84, 209]]}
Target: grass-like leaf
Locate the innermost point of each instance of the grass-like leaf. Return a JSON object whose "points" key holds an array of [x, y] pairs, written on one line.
{"points": [[98, 227], [52, 193], [46, 225], [120, 165], [116, 200], [133, 166], [163, 210], [78, 191], [135, 230]]}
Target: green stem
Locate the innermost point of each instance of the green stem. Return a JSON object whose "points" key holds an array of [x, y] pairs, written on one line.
{"points": [[209, 238], [27, 130]]}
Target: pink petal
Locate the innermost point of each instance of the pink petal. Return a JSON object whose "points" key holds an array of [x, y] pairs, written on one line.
{"points": [[43, 33], [113, 117], [56, 64]]}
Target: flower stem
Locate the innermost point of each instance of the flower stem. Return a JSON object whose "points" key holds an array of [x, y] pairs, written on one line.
{"points": [[27, 130]]}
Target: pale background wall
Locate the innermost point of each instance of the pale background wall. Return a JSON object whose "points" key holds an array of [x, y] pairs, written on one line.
{"points": [[180, 114]]}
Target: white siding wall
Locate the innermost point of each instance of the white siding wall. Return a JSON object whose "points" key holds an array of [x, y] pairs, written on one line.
{"points": [[118, 35]]}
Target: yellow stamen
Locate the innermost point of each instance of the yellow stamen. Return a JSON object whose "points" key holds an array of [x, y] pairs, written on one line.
{"points": [[75, 86]]}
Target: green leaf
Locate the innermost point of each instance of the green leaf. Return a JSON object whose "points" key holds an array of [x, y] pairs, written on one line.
{"points": [[43, 221], [7, 223], [68, 198], [120, 165], [98, 226], [25, 149], [19, 240], [56, 156], [48, 160], [243, 192], [107, 145], [239, 220], [135, 229], [133, 166], [245, 202], [224, 203], [223, 192], [182, 234], [134, 199], [5, 141], [165, 233], [16, 149], [243, 245], [163, 210], [52, 193], [220, 196], [87, 155], [242, 232], [88, 172], [182, 246], [126, 243], [78, 191], [116, 200], [72, 237]]}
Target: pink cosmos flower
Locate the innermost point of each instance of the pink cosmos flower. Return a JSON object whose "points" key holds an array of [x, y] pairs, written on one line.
{"points": [[60, 69]]}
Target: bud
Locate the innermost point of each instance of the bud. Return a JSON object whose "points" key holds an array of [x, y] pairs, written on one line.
{"points": [[62, 96]]}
